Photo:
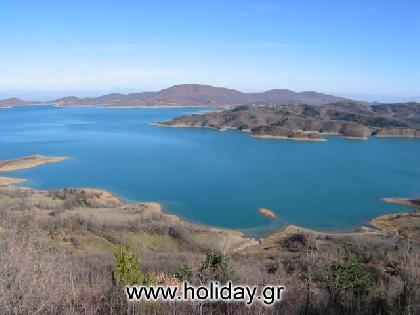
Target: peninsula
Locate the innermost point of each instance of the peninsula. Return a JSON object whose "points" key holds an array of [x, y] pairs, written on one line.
{"points": [[310, 122], [24, 163], [28, 162], [10, 180], [413, 203]]}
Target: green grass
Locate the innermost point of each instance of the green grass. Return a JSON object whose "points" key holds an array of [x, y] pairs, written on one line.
{"points": [[6, 199], [97, 245], [151, 242]]}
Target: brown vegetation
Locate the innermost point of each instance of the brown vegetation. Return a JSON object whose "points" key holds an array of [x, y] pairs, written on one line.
{"points": [[58, 258]]}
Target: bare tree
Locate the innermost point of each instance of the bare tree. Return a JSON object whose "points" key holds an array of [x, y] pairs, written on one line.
{"points": [[409, 275]]}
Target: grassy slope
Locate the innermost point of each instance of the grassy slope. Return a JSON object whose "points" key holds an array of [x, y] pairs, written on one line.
{"points": [[98, 221]]}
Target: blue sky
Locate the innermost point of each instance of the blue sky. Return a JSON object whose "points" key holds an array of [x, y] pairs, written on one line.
{"points": [[343, 47]]}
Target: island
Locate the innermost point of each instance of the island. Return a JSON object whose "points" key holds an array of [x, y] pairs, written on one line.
{"points": [[268, 213], [348, 119]]}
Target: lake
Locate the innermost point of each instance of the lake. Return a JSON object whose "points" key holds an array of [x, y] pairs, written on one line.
{"points": [[212, 177]]}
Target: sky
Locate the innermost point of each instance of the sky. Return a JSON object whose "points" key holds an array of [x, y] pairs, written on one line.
{"points": [[367, 49]]}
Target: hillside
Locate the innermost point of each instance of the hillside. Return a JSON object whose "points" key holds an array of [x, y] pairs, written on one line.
{"points": [[309, 122], [192, 95], [66, 239]]}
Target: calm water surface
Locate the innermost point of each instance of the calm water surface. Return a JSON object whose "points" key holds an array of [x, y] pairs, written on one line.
{"points": [[217, 178]]}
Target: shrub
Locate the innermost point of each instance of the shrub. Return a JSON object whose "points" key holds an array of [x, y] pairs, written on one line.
{"points": [[75, 241], [217, 266], [295, 242], [184, 273]]}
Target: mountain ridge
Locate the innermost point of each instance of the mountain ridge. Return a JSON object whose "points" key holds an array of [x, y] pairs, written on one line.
{"points": [[191, 95]]}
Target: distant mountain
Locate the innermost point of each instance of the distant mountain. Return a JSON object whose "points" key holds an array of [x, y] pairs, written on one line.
{"points": [[191, 94], [194, 95], [13, 101], [284, 96]]}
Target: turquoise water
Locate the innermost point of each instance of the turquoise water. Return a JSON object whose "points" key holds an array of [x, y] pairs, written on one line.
{"points": [[212, 177]]}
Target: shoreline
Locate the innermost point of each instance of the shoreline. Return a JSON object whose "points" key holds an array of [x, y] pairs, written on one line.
{"points": [[383, 226], [24, 163], [412, 203], [267, 136], [5, 180], [160, 124], [355, 138], [378, 225], [288, 138], [395, 136], [267, 213], [28, 162], [112, 208], [218, 107], [263, 136], [370, 227]]}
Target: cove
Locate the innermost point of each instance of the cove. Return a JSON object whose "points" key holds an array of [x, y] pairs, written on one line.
{"points": [[212, 177]]}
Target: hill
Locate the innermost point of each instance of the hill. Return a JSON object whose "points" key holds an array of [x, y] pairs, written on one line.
{"points": [[192, 95], [14, 101]]}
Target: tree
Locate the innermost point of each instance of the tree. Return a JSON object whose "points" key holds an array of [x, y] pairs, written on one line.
{"points": [[408, 272], [348, 278], [306, 266], [127, 270]]}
